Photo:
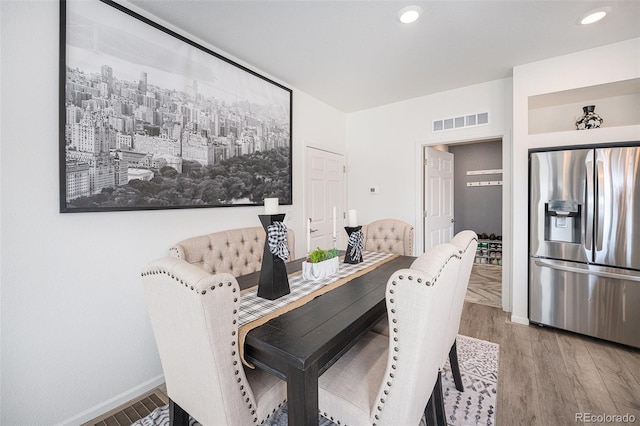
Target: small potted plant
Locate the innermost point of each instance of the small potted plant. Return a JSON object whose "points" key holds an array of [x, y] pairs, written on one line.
{"points": [[320, 264]]}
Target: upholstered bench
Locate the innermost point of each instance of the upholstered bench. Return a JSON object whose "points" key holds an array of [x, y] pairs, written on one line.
{"points": [[236, 251]]}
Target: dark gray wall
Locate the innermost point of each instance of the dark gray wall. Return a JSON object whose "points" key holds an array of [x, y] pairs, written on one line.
{"points": [[477, 208]]}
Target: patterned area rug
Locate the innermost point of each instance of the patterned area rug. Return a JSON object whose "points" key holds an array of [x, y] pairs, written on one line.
{"points": [[478, 360]]}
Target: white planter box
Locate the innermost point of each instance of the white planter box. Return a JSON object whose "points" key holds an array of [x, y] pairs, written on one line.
{"points": [[321, 270]]}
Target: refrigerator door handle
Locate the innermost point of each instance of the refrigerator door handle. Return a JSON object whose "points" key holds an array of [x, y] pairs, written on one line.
{"points": [[603, 274], [589, 199], [600, 207]]}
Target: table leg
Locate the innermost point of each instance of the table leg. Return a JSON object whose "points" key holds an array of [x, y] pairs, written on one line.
{"points": [[177, 416], [302, 396]]}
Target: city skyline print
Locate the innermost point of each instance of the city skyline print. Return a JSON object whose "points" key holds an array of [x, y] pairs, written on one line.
{"points": [[152, 120]]}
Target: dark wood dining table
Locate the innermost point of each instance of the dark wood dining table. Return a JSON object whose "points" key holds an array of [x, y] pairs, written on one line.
{"points": [[301, 344]]}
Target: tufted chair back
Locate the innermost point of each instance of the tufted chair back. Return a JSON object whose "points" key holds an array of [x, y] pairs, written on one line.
{"points": [[388, 235], [194, 316], [236, 251], [388, 380]]}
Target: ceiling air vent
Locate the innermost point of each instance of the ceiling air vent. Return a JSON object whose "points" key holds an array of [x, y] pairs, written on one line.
{"points": [[461, 122]]}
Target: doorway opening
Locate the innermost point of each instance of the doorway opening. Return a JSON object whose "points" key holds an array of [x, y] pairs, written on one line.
{"points": [[477, 206]]}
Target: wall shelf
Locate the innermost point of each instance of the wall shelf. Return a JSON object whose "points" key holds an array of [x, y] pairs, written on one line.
{"points": [[484, 172], [618, 103], [586, 137], [486, 183]]}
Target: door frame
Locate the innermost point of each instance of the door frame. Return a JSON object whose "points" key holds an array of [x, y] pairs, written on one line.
{"points": [[507, 199]]}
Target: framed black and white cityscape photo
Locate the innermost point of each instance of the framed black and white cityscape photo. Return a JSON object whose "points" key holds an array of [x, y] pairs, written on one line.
{"points": [[152, 120]]}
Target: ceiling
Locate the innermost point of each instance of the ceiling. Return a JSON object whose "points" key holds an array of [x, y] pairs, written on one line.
{"points": [[355, 55]]}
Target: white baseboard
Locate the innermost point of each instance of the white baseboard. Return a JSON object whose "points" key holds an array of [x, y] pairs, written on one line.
{"points": [[519, 320], [113, 403]]}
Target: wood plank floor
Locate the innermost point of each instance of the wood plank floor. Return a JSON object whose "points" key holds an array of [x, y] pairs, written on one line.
{"points": [[137, 409], [485, 285], [548, 376]]}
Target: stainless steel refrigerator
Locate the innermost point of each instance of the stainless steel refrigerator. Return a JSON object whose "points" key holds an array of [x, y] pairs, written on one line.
{"points": [[584, 241]]}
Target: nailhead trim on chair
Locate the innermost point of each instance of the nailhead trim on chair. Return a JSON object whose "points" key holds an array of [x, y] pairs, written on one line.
{"points": [[234, 339], [394, 320], [469, 245], [272, 412]]}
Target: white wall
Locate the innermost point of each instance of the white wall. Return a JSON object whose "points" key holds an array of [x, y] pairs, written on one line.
{"points": [[75, 333], [385, 143], [477, 207], [611, 63]]}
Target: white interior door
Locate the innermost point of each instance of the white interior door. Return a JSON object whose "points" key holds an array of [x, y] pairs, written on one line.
{"points": [[324, 190], [438, 197]]}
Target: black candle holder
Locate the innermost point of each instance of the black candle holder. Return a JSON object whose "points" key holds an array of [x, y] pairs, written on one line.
{"points": [[347, 257], [274, 282]]}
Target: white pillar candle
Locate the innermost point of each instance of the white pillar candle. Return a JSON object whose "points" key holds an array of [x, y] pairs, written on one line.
{"points": [[353, 218], [270, 206], [309, 236], [334, 221]]}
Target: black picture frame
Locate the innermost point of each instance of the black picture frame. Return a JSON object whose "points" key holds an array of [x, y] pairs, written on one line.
{"points": [[194, 129]]}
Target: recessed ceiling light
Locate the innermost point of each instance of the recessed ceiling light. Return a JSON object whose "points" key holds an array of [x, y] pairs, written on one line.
{"points": [[409, 14], [594, 15]]}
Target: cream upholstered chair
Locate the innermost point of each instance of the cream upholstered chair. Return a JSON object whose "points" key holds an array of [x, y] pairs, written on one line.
{"points": [[391, 236], [194, 316], [466, 242], [388, 235], [388, 380], [236, 251]]}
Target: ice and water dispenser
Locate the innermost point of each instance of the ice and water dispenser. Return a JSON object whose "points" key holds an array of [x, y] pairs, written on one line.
{"points": [[562, 221]]}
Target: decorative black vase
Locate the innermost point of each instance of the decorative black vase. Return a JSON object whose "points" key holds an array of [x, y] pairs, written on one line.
{"points": [[274, 281], [347, 257], [590, 120]]}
